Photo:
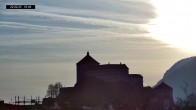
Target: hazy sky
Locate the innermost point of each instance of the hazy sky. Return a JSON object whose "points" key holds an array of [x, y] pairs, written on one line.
{"points": [[39, 47]]}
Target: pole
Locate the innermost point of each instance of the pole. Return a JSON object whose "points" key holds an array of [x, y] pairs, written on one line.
{"points": [[15, 100], [18, 100], [38, 99], [24, 100], [31, 100]]}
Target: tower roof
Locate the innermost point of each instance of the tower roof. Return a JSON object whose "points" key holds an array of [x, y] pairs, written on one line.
{"points": [[87, 59]]}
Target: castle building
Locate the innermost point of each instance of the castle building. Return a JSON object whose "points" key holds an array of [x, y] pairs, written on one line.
{"points": [[112, 83], [107, 72]]}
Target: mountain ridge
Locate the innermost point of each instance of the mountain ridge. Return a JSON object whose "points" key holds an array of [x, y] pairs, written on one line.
{"points": [[183, 71]]}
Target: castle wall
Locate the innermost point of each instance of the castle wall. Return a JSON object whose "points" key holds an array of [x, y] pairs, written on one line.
{"points": [[136, 80], [109, 74]]}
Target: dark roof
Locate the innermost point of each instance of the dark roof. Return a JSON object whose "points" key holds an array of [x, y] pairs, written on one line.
{"points": [[108, 66], [147, 88], [87, 59], [135, 76], [163, 86]]}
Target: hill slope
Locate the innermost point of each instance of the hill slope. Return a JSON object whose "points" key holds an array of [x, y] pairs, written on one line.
{"points": [[181, 72]]}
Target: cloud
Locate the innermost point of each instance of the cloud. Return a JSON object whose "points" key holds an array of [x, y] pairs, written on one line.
{"points": [[53, 26], [77, 14], [21, 28], [82, 22]]}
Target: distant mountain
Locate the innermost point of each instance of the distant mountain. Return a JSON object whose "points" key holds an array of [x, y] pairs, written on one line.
{"points": [[181, 72]]}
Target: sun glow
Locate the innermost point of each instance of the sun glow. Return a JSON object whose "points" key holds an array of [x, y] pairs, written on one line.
{"points": [[175, 23]]}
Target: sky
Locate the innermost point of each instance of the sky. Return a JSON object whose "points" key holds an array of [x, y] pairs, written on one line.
{"points": [[42, 46]]}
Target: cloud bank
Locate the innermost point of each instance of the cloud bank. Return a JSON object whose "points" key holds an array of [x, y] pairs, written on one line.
{"points": [[58, 18]]}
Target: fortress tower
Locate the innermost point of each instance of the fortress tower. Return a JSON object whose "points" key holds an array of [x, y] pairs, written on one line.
{"points": [[84, 65]]}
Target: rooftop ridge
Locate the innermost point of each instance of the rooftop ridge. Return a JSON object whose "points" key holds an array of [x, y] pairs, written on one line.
{"points": [[88, 59]]}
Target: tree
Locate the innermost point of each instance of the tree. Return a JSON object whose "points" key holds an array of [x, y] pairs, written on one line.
{"points": [[53, 90], [188, 101]]}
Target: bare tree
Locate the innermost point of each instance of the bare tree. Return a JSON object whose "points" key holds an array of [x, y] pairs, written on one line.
{"points": [[57, 87], [189, 100], [53, 90]]}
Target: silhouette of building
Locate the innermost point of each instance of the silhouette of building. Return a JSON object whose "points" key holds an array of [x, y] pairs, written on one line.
{"points": [[111, 83]]}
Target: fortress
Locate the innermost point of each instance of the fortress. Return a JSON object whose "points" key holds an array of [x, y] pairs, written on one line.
{"points": [[112, 84], [107, 72]]}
